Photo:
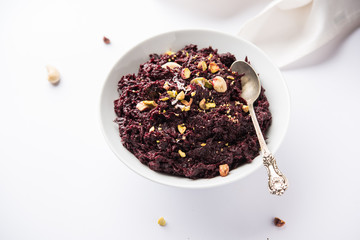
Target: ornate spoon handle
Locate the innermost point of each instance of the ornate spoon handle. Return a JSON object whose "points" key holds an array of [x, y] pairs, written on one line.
{"points": [[277, 182]]}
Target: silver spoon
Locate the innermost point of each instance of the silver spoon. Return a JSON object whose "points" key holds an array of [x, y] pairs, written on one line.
{"points": [[251, 88]]}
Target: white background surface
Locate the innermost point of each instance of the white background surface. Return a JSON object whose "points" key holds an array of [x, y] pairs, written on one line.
{"points": [[59, 179]]}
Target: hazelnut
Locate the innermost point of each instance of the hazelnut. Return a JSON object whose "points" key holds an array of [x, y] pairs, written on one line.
{"points": [[202, 65], [213, 67], [53, 74], [170, 65], [219, 84], [185, 73], [224, 170]]}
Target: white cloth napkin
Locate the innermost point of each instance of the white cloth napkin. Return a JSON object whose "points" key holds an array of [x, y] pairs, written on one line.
{"points": [[287, 30]]}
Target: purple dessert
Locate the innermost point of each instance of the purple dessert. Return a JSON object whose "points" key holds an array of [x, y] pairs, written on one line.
{"points": [[182, 114]]}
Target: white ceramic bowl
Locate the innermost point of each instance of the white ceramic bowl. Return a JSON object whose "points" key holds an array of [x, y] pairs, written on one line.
{"points": [[270, 76]]}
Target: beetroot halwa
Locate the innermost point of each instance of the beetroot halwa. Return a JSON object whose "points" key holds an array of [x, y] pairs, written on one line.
{"points": [[182, 114]]}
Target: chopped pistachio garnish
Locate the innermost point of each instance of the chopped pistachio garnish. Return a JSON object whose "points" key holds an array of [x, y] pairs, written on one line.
{"points": [[230, 77], [162, 221], [164, 111], [210, 56], [203, 144], [186, 108], [245, 108], [226, 144], [198, 81], [180, 96], [208, 84], [210, 105], [169, 53], [150, 103], [185, 73], [181, 153], [181, 128], [237, 103], [164, 99], [157, 141], [166, 86], [159, 128], [219, 84], [202, 65], [172, 93], [193, 93], [202, 104], [152, 129], [213, 67]]}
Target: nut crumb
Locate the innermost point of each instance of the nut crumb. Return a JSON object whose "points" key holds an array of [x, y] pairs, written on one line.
{"points": [[106, 40], [278, 222], [53, 74], [224, 170], [161, 221]]}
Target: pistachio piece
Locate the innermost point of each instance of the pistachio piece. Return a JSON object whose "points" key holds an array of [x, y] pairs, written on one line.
{"points": [[166, 86], [141, 106], [181, 128], [172, 93], [208, 84], [182, 154], [203, 144], [202, 104], [186, 108], [198, 81], [202, 65], [170, 65], [150, 103], [164, 99], [213, 67], [53, 74], [210, 105], [169, 52], [145, 104], [187, 103], [224, 170], [180, 96], [210, 56], [230, 77], [162, 221], [245, 108], [219, 84], [185, 73], [193, 93], [152, 129]]}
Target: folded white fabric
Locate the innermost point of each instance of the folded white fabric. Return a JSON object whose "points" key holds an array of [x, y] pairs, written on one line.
{"points": [[287, 30]]}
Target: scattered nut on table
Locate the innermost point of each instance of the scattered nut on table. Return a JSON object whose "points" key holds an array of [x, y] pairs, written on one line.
{"points": [[106, 40], [161, 221], [53, 74], [278, 222]]}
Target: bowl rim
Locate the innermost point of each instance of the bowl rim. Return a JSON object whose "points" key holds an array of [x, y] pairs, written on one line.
{"points": [[214, 183]]}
